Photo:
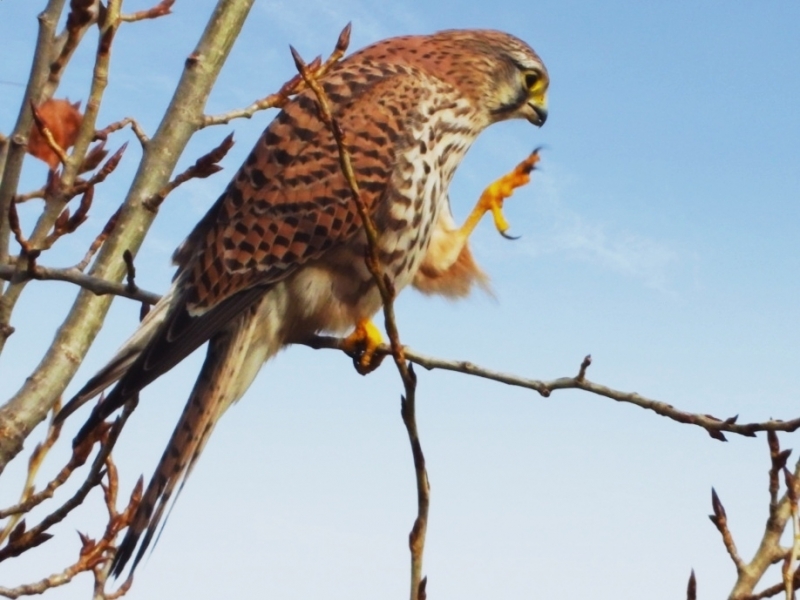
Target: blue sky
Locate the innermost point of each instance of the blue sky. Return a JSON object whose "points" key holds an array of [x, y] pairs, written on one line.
{"points": [[660, 236]]}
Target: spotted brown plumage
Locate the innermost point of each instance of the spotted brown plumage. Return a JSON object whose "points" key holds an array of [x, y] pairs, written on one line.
{"points": [[280, 255]]}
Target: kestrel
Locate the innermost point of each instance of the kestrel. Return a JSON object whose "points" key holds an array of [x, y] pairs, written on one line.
{"points": [[280, 255]]}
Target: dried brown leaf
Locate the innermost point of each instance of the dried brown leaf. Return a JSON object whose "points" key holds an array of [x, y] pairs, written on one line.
{"points": [[62, 120]]}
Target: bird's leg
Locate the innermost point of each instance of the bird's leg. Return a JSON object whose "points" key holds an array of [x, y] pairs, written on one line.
{"points": [[493, 196], [361, 346]]}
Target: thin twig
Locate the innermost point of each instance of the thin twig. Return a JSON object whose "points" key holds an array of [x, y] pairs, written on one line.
{"points": [[82, 14], [778, 460], [94, 555], [98, 241], [137, 129], [205, 166], [36, 535], [773, 590], [99, 286], [587, 361], [159, 10], [35, 194], [78, 459], [34, 463], [720, 520], [29, 253], [294, 86], [543, 387], [130, 283], [67, 223], [388, 294], [100, 176]]}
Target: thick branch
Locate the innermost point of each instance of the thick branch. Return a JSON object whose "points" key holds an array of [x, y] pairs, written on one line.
{"points": [[72, 167], [19, 138], [184, 116]]}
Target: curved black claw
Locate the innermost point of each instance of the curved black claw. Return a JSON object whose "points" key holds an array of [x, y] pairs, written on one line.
{"points": [[365, 365], [510, 237]]}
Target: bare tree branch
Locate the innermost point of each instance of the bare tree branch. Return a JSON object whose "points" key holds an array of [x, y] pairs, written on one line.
{"points": [[720, 520], [770, 551], [36, 535], [161, 9], [33, 195], [82, 15], [103, 134], [54, 206], [119, 241], [711, 424], [388, 294], [28, 500], [316, 69], [98, 242], [96, 285], [94, 556], [30, 405], [205, 166], [12, 166], [790, 562]]}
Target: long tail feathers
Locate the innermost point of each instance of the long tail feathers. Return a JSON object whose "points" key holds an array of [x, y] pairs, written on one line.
{"points": [[123, 359], [232, 362]]}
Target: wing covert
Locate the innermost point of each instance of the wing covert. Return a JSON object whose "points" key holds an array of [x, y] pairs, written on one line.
{"points": [[289, 203]]}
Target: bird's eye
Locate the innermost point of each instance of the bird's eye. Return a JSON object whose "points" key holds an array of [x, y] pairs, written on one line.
{"points": [[531, 79]]}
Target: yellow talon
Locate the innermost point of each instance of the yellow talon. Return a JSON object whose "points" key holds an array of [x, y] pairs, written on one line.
{"points": [[494, 195], [361, 346]]}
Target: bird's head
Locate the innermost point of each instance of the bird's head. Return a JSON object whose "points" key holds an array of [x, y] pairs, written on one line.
{"points": [[500, 72]]}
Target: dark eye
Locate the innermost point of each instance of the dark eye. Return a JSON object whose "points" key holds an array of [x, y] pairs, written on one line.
{"points": [[531, 79]]}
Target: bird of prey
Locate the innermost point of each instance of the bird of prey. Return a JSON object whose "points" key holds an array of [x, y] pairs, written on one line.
{"points": [[280, 255]]}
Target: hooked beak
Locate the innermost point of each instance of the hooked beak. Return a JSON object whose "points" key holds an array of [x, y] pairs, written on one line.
{"points": [[538, 114], [537, 104]]}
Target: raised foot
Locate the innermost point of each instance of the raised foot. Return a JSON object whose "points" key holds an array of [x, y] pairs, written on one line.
{"points": [[494, 195], [361, 346]]}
